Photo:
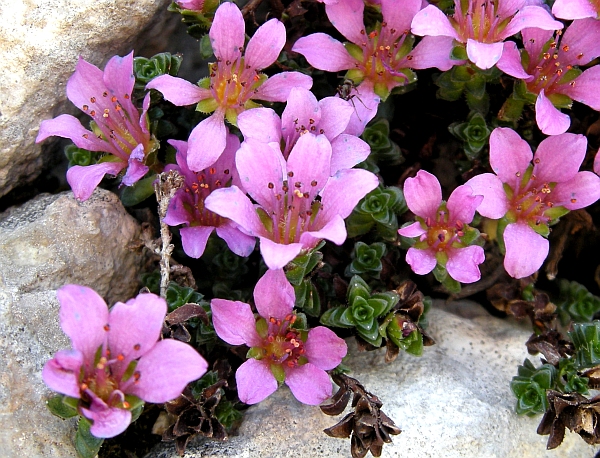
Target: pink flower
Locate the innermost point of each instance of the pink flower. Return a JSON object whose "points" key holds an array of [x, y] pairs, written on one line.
{"points": [[597, 163], [303, 114], [193, 5], [299, 203], [234, 82], [550, 75], [440, 226], [576, 9], [380, 60], [187, 206], [119, 129], [530, 197], [117, 355], [279, 351], [483, 25]]}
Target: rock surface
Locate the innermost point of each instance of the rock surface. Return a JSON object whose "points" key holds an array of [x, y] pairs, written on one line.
{"points": [[48, 242], [454, 401], [40, 43]]}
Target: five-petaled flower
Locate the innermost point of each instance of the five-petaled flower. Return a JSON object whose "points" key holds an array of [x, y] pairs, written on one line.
{"points": [[381, 59], [117, 355], [483, 25], [440, 228], [118, 129], [299, 203], [187, 206], [549, 74], [234, 82], [530, 197], [279, 351]]}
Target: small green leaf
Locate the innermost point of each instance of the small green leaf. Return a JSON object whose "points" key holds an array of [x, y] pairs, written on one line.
{"points": [[86, 444], [62, 406], [140, 191]]}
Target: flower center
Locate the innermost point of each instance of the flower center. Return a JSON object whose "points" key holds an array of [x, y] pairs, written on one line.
{"points": [[283, 344], [198, 190], [477, 19], [441, 234], [233, 83], [295, 207]]}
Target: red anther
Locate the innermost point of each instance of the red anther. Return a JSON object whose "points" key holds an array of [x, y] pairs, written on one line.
{"points": [[92, 113], [137, 346], [113, 99], [580, 55], [290, 174], [573, 200], [93, 99], [270, 185], [85, 108], [120, 357], [106, 327], [373, 34]]}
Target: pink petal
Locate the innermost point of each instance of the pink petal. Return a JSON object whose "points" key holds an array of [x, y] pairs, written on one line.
{"points": [[433, 52], [510, 62], [420, 261], [495, 202], [324, 52], [234, 322], [232, 203], [335, 116], [85, 83], [302, 106], [266, 44], [194, 238], [334, 230], [310, 163], [581, 40], [261, 170], [84, 179], [118, 76], [135, 328], [510, 155], [399, 18], [343, 191], [309, 384], [277, 88], [262, 124], [484, 55], [529, 17], [423, 194], [238, 242], [549, 119], [83, 315], [136, 168], [277, 255], [365, 103], [347, 151], [178, 91], [274, 296], [106, 421], [255, 382], [347, 17], [579, 192], [67, 126], [525, 250], [61, 373], [227, 32], [463, 263], [324, 348], [585, 89], [177, 213], [559, 157], [413, 230], [573, 9], [207, 142], [462, 204], [432, 21], [534, 40], [166, 370], [597, 163]]}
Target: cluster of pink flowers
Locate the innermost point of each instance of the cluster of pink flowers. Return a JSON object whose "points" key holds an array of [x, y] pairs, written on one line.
{"points": [[291, 181]]}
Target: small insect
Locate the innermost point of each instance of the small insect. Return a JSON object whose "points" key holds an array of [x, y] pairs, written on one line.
{"points": [[345, 93]]}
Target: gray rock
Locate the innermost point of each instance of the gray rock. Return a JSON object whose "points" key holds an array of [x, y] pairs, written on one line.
{"points": [[50, 241], [454, 401], [41, 42]]}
